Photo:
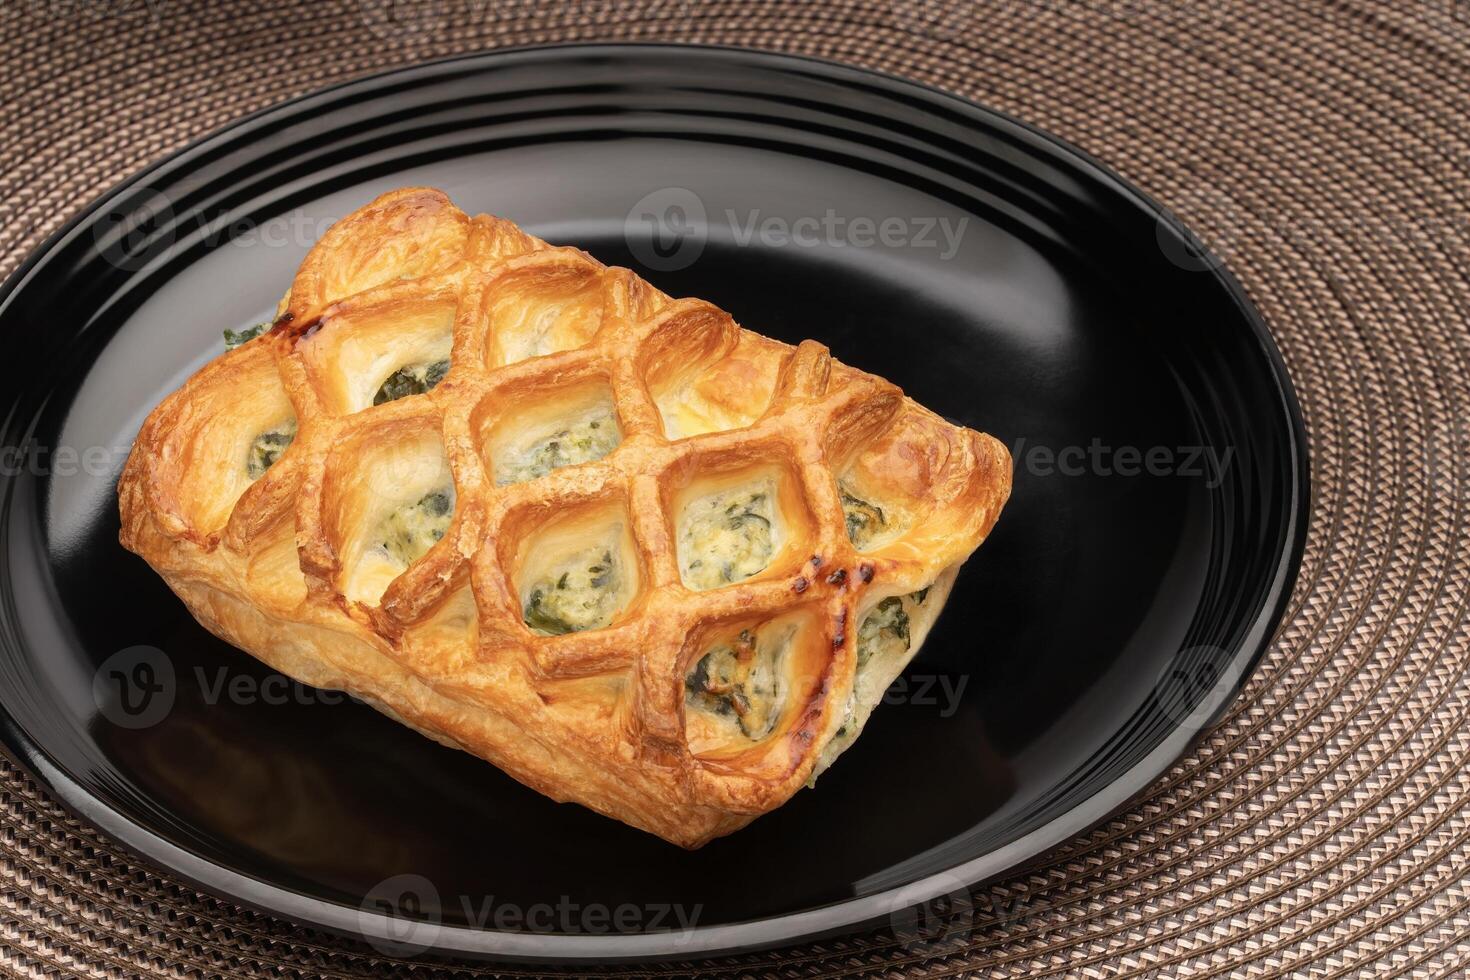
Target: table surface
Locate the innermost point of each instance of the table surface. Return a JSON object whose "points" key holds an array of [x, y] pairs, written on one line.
{"points": [[1320, 146]]}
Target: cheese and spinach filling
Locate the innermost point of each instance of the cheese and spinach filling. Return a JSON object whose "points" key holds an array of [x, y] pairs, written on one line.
{"points": [[865, 521], [581, 594], [583, 441], [726, 537], [234, 338], [409, 532], [884, 632], [411, 379], [267, 448], [741, 681]]}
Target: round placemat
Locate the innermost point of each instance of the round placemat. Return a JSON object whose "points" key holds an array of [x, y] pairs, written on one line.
{"points": [[1320, 147]]}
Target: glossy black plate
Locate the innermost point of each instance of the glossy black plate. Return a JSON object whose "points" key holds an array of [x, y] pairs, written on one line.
{"points": [[1003, 279]]}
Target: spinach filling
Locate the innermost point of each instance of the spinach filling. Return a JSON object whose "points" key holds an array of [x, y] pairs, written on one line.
{"points": [[234, 338], [885, 630], [409, 532], [411, 379], [267, 448], [581, 442], [741, 679], [582, 597], [727, 537], [865, 521]]}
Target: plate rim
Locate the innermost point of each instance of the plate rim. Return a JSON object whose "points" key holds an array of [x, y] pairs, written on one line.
{"points": [[383, 931]]}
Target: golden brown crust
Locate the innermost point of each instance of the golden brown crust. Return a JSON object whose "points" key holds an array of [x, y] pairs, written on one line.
{"points": [[286, 566]]}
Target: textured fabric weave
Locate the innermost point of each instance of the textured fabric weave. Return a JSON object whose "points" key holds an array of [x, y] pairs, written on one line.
{"points": [[1322, 147]]}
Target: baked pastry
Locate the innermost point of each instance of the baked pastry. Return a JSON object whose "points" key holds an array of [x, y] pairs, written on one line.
{"points": [[635, 556]]}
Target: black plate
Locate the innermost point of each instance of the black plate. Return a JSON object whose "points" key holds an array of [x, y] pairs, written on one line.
{"points": [[1114, 611]]}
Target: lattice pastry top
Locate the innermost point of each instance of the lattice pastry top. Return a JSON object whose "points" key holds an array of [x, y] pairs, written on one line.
{"points": [[636, 556]]}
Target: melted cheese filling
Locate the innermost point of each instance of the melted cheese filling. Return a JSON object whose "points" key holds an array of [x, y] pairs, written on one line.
{"points": [[740, 685], [580, 594], [267, 448], [865, 521], [584, 440], [727, 536], [409, 532], [411, 379], [884, 631], [885, 636]]}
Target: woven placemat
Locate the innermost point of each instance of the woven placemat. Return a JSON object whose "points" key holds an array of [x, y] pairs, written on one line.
{"points": [[1322, 147]]}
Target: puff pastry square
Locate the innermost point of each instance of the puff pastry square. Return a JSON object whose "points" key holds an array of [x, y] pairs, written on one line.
{"points": [[528, 505]]}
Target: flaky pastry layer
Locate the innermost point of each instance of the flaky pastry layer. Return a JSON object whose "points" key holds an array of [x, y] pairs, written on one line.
{"points": [[639, 558]]}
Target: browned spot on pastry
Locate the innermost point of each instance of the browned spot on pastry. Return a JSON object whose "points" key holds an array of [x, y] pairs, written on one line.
{"points": [[816, 561], [838, 577], [865, 572], [839, 637], [296, 332], [800, 584]]}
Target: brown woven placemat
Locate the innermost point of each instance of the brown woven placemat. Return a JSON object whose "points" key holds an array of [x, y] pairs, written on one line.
{"points": [[1322, 147]]}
